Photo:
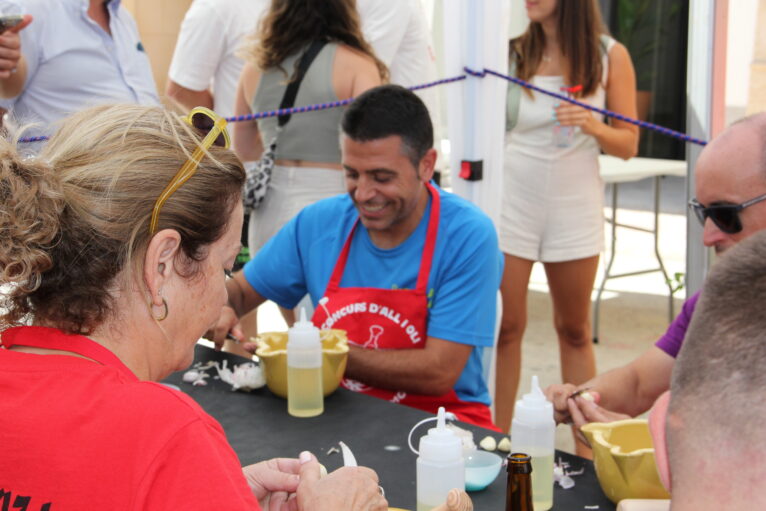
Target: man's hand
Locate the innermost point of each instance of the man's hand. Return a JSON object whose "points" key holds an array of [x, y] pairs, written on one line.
{"points": [[228, 323], [584, 411], [559, 395], [273, 483], [346, 489], [10, 48]]}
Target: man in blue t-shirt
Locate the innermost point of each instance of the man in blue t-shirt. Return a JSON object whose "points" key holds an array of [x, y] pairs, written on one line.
{"points": [[410, 271]]}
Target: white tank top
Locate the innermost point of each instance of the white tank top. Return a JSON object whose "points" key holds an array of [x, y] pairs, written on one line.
{"points": [[533, 133]]}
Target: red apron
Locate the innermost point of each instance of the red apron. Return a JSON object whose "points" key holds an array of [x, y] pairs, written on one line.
{"points": [[392, 319]]}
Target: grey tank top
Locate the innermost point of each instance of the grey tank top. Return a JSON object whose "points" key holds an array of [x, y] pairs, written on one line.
{"points": [[311, 136]]}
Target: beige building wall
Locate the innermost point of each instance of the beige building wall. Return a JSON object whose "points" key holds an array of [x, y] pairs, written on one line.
{"points": [[757, 98], [158, 23]]}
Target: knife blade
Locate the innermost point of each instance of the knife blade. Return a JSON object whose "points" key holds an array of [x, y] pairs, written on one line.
{"points": [[348, 457]]}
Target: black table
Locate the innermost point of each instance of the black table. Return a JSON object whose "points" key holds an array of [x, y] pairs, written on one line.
{"points": [[258, 427]]}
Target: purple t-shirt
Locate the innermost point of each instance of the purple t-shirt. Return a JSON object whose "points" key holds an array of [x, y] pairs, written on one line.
{"points": [[673, 338]]}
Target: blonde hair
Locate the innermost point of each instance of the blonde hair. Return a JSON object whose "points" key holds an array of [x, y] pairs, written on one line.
{"points": [[74, 217]]}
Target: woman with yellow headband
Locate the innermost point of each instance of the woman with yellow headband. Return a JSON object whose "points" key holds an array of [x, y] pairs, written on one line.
{"points": [[114, 247]]}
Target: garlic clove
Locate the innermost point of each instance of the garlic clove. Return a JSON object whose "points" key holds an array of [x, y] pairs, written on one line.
{"points": [[488, 443]]}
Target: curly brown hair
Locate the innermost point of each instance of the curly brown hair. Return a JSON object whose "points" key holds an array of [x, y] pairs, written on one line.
{"points": [[75, 220], [291, 25], [579, 26]]}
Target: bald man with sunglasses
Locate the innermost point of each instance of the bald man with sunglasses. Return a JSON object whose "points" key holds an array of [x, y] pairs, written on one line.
{"points": [[730, 202]]}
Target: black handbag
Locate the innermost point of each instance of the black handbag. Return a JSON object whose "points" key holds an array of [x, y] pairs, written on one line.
{"points": [[259, 173]]}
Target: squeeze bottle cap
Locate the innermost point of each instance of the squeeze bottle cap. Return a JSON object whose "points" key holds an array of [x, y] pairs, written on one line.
{"points": [[303, 334], [533, 408], [441, 444]]}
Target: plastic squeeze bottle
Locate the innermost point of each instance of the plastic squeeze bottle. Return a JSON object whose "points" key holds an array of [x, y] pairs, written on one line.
{"points": [[304, 369], [440, 465], [533, 432]]}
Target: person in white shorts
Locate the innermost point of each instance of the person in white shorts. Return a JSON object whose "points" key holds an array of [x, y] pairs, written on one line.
{"points": [[553, 202]]}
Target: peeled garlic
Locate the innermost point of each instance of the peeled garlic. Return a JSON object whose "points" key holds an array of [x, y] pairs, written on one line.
{"points": [[466, 437], [190, 375], [245, 377], [504, 445], [488, 443]]}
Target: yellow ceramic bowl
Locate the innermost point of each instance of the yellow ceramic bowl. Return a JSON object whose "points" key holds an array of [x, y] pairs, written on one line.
{"points": [[272, 352], [623, 454]]}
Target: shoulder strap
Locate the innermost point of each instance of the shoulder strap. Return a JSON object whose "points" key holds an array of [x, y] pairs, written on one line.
{"points": [[513, 97], [604, 39], [291, 92]]}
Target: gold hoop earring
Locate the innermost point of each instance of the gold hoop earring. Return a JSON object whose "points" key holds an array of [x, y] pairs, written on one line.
{"points": [[164, 312]]}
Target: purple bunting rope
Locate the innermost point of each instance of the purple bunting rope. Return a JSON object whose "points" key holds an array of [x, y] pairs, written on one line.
{"points": [[608, 113], [333, 104], [471, 72]]}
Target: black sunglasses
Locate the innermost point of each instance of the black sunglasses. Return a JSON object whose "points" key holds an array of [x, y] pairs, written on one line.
{"points": [[724, 216]]}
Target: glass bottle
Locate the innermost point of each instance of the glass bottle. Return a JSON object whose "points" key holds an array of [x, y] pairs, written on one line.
{"points": [[518, 495]]}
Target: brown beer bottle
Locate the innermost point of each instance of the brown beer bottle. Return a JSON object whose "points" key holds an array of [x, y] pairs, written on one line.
{"points": [[518, 495]]}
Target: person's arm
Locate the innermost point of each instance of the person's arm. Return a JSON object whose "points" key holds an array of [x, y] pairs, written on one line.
{"points": [[200, 47], [630, 389], [247, 139], [13, 65], [618, 138], [432, 370], [186, 99], [634, 389]]}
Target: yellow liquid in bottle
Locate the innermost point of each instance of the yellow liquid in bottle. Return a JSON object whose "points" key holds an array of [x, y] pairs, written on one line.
{"points": [[304, 391], [542, 482]]}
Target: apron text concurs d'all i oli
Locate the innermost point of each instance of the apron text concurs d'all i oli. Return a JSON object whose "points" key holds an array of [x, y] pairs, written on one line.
{"points": [[377, 318]]}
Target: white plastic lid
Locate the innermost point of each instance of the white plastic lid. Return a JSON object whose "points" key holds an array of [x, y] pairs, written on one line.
{"points": [[303, 333], [533, 408], [304, 347], [441, 444]]}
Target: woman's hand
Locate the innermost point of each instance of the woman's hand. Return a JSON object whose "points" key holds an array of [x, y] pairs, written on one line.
{"points": [[274, 483], [569, 114], [346, 489]]}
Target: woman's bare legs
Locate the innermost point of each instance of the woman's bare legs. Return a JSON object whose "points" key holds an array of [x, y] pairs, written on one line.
{"points": [[570, 284], [513, 289]]}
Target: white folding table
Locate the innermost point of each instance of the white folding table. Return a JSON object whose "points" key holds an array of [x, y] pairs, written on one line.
{"points": [[615, 171]]}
